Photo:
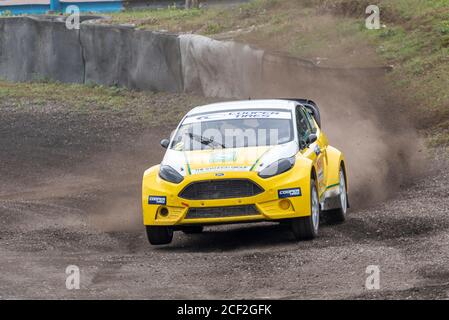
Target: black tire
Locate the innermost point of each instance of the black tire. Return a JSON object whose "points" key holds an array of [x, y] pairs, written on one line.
{"points": [[159, 235], [192, 229], [338, 215], [304, 228]]}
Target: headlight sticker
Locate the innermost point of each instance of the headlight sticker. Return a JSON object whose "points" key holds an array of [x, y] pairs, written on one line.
{"points": [[287, 193], [157, 200]]}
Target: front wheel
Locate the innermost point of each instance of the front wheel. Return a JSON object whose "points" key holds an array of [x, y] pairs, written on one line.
{"points": [[159, 235], [306, 228]]}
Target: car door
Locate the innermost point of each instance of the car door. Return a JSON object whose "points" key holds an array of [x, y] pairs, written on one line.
{"points": [[315, 151]]}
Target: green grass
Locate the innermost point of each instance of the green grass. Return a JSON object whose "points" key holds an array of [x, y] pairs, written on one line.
{"points": [[213, 20], [415, 40], [280, 25], [412, 8], [148, 108], [418, 48]]}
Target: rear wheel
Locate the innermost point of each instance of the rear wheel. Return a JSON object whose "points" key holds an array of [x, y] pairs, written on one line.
{"points": [[339, 215], [306, 228], [159, 235], [192, 229]]}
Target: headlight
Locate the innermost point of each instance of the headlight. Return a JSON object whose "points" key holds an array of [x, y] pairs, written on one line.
{"points": [[169, 174], [277, 167]]}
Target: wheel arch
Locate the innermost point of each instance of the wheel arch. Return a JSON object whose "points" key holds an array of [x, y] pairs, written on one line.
{"points": [[313, 173], [343, 166], [335, 160]]}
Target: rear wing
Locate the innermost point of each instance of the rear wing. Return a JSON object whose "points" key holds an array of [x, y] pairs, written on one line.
{"points": [[310, 106]]}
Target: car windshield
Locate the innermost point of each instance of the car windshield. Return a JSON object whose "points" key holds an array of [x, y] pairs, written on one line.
{"points": [[234, 129]]}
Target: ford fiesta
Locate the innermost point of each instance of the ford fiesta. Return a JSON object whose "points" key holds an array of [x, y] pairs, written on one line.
{"points": [[245, 161]]}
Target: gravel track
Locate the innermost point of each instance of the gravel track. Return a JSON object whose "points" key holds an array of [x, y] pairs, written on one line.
{"points": [[70, 195]]}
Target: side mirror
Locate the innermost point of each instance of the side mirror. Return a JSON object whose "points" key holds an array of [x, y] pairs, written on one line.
{"points": [[312, 138], [165, 143]]}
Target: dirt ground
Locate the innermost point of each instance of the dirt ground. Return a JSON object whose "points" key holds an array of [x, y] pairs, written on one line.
{"points": [[69, 195]]}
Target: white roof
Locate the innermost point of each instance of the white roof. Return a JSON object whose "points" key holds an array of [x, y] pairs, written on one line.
{"points": [[244, 105]]}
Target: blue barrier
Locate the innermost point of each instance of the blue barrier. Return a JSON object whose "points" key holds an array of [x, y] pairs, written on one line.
{"points": [[95, 6], [60, 6], [55, 5], [24, 9]]}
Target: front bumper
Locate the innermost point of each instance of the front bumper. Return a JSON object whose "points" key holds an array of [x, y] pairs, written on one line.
{"points": [[268, 205]]}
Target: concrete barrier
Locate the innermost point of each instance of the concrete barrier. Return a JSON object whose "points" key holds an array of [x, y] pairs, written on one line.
{"points": [[220, 68], [122, 56], [42, 47], [33, 49], [36, 48]]}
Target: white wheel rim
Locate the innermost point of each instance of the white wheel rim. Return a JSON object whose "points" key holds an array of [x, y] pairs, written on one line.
{"points": [[343, 199], [315, 210]]}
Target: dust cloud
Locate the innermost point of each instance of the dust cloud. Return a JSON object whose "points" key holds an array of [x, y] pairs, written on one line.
{"points": [[359, 114], [117, 206], [382, 148]]}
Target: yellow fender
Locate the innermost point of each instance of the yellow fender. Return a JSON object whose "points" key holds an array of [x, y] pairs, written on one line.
{"points": [[335, 159]]}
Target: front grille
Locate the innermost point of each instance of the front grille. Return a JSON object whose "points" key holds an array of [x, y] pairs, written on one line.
{"points": [[222, 212], [220, 189]]}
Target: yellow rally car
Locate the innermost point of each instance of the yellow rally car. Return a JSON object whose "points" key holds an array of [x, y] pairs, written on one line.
{"points": [[245, 161]]}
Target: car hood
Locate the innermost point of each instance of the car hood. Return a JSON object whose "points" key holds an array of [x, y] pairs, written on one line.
{"points": [[224, 160]]}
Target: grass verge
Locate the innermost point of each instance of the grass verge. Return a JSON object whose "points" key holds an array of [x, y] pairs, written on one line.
{"points": [[146, 108]]}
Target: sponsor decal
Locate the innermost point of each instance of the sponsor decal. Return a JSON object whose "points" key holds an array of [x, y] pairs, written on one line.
{"points": [[249, 114], [223, 157], [157, 200], [287, 193], [220, 169]]}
